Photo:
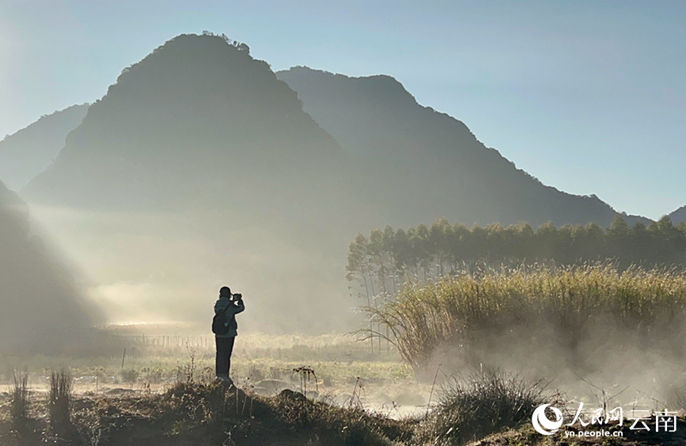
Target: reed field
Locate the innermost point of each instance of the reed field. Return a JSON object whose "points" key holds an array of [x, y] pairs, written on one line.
{"points": [[566, 308]]}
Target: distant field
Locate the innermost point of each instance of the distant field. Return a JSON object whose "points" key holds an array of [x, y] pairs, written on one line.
{"points": [[153, 362]]}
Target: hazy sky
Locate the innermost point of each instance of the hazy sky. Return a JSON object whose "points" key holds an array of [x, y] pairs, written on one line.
{"points": [[588, 96]]}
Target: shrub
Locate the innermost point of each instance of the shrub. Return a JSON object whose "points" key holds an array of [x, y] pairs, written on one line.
{"points": [[483, 404]]}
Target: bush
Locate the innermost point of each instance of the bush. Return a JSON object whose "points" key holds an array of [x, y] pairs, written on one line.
{"points": [[483, 404]]}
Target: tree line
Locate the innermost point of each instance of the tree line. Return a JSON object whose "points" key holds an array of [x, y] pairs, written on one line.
{"points": [[383, 261]]}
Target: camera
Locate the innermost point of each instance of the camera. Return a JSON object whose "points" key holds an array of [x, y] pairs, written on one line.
{"points": [[237, 296]]}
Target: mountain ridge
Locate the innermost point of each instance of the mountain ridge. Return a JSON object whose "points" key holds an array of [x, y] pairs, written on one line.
{"points": [[384, 91], [360, 115]]}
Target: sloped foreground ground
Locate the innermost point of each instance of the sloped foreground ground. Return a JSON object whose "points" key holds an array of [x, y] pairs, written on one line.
{"points": [[212, 414], [198, 414]]}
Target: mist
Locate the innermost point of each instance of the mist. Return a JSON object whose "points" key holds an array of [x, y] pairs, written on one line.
{"points": [[166, 267], [610, 364], [43, 307]]}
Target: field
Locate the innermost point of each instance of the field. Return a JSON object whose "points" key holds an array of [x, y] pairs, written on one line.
{"points": [[152, 362], [464, 358], [333, 370]]}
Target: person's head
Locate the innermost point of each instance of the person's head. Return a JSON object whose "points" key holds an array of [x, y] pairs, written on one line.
{"points": [[225, 292]]}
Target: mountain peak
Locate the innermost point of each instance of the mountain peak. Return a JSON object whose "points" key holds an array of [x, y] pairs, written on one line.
{"points": [[204, 71], [194, 47]]}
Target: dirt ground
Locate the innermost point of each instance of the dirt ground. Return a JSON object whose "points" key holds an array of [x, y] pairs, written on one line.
{"points": [[214, 414]]}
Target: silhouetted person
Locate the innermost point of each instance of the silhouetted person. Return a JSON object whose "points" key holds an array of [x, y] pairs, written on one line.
{"points": [[225, 328]]}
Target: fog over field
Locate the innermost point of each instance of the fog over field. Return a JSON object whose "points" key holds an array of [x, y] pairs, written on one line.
{"points": [[165, 267]]}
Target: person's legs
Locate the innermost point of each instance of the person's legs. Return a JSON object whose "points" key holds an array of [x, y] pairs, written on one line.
{"points": [[229, 350], [223, 354]]}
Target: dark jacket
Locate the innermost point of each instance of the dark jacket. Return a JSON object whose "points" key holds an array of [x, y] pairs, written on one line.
{"points": [[231, 309]]}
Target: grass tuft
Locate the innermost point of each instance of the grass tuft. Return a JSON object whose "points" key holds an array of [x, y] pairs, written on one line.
{"points": [[19, 406], [59, 400], [484, 403]]}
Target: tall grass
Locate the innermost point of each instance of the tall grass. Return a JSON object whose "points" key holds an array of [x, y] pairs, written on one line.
{"points": [[567, 304], [19, 406], [59, 400]]}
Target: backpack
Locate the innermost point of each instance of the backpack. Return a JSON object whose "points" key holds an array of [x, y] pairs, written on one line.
{"points": [[220, 324]]}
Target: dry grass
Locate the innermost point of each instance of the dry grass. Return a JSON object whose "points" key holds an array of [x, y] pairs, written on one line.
{"points": [[482, 404], [215, 414], [59, 400], [19, 405], [568, 302]]}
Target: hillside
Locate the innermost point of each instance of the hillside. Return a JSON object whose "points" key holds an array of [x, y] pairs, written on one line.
{"points": [[28, 152], [427, 164], [41, 305], [678, 216]]}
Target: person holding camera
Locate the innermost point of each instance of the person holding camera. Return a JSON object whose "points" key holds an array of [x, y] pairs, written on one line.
{"points": [[225, 329]]}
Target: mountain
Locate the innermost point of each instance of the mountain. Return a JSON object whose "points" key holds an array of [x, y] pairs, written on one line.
{"points": [[28, 152], [377, 121], [678, 216], [427, 164], [197, 123], [199, 141], [42, 308]]}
